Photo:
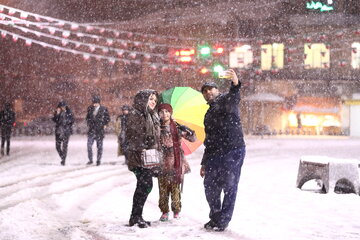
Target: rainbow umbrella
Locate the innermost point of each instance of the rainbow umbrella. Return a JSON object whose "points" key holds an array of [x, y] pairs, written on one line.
{"points": [[189, 108]]}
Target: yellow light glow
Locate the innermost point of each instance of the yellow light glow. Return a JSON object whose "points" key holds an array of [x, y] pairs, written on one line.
{"points": [[314, 120]]}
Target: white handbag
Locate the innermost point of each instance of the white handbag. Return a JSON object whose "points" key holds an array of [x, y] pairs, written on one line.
{"points": [[151, 158]]}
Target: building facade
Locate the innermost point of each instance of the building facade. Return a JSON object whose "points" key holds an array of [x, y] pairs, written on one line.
{"points": [[299, 62]]}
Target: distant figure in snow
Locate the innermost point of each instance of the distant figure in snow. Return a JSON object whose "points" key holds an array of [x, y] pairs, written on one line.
{"points": [[298, 118], [120, 128], [64, 120], [7, 120], [224, 151], [97, 118]]}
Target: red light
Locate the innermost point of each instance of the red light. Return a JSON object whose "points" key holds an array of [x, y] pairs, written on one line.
{"points": [[220, 50], [204, 70], [14, 124], [185, 59], [182, 55], [185, 55], [187, 52], [25, 124]]}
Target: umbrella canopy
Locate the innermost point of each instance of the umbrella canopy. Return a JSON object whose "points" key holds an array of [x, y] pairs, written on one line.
{"points": [[189, 108]]}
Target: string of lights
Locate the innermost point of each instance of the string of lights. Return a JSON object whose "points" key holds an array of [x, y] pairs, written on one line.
{"points": [[116, 32], [107, 44], [88, 27], [65, 41]]}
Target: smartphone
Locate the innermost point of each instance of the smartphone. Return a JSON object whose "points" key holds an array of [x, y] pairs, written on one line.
{"points": [[224, 74]]}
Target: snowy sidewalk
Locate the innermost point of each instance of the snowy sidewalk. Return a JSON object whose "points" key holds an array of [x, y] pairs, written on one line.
{"points": [[41, 200]]}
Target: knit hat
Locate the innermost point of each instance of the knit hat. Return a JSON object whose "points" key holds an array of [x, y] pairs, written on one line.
{"points": [[61, 104], [96, 99], [209, 85], [165, 106]]}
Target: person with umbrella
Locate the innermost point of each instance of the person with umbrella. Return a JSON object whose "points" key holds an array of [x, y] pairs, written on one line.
{"points": [[224, 151], [174, 163]]}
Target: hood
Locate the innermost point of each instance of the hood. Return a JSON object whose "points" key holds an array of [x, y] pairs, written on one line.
{"points": [[141, 99]]}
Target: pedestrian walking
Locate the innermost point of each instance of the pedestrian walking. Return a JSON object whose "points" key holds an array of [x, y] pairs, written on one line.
{"points": [[97, 118], [142, 133], [7, 120], [224, 151], [174, 164], [64, 120]]}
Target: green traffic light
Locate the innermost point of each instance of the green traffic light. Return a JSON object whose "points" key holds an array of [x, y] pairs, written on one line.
{"points": [[204, 51], [216, 69]]}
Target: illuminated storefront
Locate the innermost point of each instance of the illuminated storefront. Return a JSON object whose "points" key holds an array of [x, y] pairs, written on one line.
{"points": [[314, 116]]}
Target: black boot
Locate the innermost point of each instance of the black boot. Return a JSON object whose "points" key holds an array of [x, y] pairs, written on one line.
{"points": [[147, 222], [89, 162], [210, 225], [62, 162], [137, 221], [98, 163]]}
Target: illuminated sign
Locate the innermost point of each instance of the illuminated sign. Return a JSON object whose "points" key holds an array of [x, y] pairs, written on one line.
{"points": [[320, 5], [182, 55]]}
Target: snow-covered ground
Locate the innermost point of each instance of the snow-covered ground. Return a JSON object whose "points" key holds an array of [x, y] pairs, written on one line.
{"points": [[42, 200]]}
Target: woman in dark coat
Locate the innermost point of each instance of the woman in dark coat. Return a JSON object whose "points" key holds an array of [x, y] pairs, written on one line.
{"points": [[142, 132]]}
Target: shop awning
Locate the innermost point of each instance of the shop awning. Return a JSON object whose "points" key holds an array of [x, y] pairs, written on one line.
{"points": [[322, 105], [264, 97]]}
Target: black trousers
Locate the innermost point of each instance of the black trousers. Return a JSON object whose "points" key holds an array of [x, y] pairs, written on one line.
{"points": [[5, 138], [62, 145], [99, 145], [222, 175], [144, 186]]}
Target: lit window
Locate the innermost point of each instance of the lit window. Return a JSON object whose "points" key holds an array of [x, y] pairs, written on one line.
{"points": [[241, 57], [316, 55], [355, 55], [272, 56]]}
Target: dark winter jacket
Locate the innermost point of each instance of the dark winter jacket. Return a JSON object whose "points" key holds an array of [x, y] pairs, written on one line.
{"points": [[63, 122], [136, 137], [222, 125], [7, 119], [97, 123]]}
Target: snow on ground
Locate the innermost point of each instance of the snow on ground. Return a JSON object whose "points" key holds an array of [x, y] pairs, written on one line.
{"points": [[42, 200]]}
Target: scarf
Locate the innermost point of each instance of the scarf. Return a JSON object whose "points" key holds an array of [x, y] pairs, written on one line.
{"points": [[152, 125]]}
